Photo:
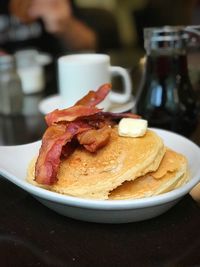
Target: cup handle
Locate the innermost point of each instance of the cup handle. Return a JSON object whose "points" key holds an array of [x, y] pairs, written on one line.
{"points": [[127, 85]]}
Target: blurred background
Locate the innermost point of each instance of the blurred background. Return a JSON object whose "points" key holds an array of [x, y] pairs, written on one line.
{"points": [[133, 15], [117, 24], [114, 27]]}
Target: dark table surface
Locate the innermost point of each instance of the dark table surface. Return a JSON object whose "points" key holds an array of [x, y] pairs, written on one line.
{"points": [[33, 235]]}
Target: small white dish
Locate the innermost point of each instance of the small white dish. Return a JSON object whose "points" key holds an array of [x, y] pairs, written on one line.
{"points": [[53, 102], [15, 159]]}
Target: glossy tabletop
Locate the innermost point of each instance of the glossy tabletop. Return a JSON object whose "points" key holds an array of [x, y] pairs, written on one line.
{"points": [[33, 235]]}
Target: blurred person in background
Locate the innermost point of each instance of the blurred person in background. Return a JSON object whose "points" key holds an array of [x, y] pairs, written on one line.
{"points": [[56, 27], [47, 25]]}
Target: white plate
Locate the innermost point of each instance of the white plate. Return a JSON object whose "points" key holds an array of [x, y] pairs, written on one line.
{"points": [[13, 165], [54, 102]]}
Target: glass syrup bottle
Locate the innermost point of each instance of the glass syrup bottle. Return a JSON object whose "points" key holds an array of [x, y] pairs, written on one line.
{"points": [[166, 97]]}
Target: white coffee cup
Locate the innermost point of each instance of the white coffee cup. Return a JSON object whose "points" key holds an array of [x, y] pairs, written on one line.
{"points": [[80, 73]]}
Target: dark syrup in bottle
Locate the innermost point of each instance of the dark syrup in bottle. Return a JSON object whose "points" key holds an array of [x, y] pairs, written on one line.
{"points": [[166, 97]]}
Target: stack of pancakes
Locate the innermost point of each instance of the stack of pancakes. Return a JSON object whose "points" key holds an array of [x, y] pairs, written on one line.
{"points": [[126, 168]]}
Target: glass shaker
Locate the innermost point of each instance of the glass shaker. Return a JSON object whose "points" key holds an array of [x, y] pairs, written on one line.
{"points": [[166, 97], [30, 70], [11, 96]]}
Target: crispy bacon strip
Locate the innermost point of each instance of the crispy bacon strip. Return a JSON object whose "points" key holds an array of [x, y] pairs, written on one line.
{"points": [[102, 118], [55, 137], [70, 114], [84, 107], [94, 139], [113, 115], [84, 123], [95, 97]]}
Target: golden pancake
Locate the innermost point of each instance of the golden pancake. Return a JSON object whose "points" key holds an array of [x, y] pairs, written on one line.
{"points": [[171, 174], [94, 175]]}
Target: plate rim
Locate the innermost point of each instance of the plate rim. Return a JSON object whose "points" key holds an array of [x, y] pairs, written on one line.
{"points": [[108, 204]]}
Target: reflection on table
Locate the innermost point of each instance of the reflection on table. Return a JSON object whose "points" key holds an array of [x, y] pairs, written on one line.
{"points": [[23, 128]]}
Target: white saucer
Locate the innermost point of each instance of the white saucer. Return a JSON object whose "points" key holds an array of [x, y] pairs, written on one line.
{"points": [[54, 102]]}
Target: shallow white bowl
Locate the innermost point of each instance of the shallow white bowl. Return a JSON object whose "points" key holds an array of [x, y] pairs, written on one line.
{"points": [[15, 159]]}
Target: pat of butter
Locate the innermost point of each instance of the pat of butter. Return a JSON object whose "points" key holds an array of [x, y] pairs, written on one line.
{"points": [[132, 127]]}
